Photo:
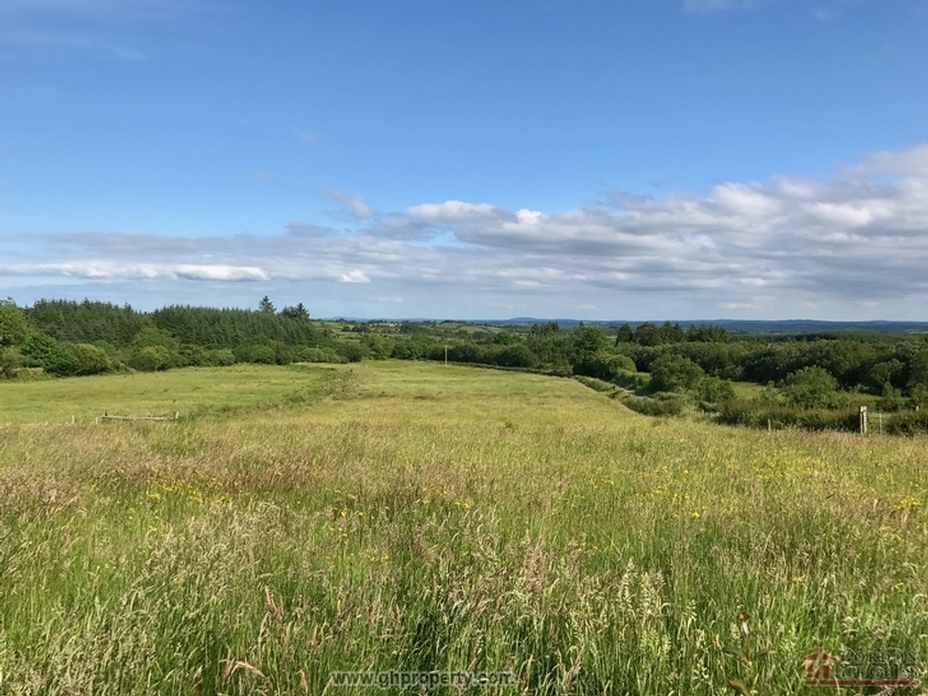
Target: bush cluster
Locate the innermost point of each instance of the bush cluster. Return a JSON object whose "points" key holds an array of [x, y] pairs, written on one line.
{"points": [[661, 404], [756, 414]]}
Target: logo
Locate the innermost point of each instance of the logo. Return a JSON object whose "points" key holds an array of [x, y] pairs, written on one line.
{"points": [[859, 669]]}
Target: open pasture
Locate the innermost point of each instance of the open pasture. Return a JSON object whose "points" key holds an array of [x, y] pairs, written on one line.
{"points": [[191, 392], [381, 516]]}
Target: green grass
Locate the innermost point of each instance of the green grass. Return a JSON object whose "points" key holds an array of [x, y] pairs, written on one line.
{"points": [[187, 391], [747, 390], [411, 516]]}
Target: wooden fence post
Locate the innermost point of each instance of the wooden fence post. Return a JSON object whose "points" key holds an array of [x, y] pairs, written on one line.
{"points": [[863, 420]]}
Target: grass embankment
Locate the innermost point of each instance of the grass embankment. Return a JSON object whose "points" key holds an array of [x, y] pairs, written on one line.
{"points": [[409, 516]]}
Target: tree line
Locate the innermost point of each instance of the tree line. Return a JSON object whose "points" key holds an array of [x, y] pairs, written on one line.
{"points": [[67, 338], [814, 381], [664, 364]]}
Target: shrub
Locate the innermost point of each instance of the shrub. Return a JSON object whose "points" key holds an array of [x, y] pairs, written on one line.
{"points": [[221, 357], [517, 355], [11, 360], [661, 405], [256, 353], [742, 412], [352, 352], [907, 423], [714, 390], [812, 387], [151, 359], [597, 384], [318, 355], [88, 359], [891, 399], [756, 414], [41, 350], [603, 365], [378, 348], [673, 373], [622, 363], [13, 328], [407, 350], [918, 396], [192, 354], [155, 349], [632, 380]]}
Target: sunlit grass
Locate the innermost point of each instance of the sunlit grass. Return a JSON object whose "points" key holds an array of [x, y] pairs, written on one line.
{"points": [[412, 516], [188, 391]]}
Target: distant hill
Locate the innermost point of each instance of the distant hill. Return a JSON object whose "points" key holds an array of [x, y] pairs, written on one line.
{"points": [[742, 326]]}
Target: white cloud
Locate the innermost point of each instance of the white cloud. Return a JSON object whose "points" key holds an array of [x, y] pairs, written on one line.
{"points": [[204, 272], [909, 163], [108, 270], [448, 211], [794, 188], [808, 246], [528, 217], [745, 200], [841, 214], [354, 276]]}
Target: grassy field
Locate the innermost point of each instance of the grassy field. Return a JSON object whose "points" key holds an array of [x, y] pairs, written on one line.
{"points": [[298, 522], [192, 392]]}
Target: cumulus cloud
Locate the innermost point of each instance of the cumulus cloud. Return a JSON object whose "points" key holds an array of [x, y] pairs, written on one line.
{"points": [[449, 211], [781, 248]]}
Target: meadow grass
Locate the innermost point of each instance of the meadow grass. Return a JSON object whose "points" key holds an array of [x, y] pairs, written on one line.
{"points": [[747, 390], [192, 391], [411, 516]]}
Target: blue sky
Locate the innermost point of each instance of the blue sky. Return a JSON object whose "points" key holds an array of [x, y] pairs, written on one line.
{"points": [[642, 159]]}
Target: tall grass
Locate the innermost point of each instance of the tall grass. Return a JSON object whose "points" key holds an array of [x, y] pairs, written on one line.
{"points": [[419, 517]]}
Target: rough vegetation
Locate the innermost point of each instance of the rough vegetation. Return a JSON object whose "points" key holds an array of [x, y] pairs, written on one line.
{"points": [[410, 516]]}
